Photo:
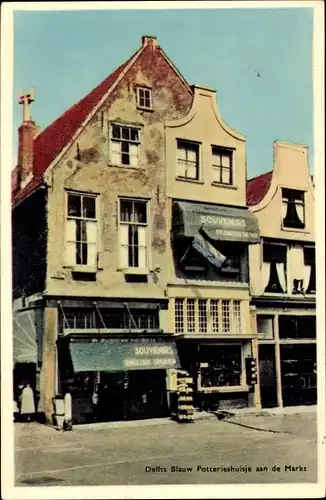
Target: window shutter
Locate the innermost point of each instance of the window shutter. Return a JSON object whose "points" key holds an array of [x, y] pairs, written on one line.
{"points": [[142, 246], [115, 152], [70, 249], [133, 152], [123, 241]]}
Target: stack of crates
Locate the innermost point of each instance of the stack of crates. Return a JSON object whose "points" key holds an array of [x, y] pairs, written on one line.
{"points": [[184, 400]]}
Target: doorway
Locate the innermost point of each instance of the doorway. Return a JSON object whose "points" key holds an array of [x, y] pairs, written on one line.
{"points": [[267, 376]]}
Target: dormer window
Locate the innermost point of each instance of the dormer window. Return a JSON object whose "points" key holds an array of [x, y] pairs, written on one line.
{"points": [[144, 98], [293, 209], [222, 165]]}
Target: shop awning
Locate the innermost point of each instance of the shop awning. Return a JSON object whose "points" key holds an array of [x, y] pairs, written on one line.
{"points": [[204, 247], [122, 355], [24, 337], [218, 222]]}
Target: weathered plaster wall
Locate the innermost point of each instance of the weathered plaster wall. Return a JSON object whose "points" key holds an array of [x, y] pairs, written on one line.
{"points": [[87, 168]]}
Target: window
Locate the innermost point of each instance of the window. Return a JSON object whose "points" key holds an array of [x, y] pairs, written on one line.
{"points": [[133, 234], [297, 327], [224, 365], [81, 230], [188, 160], [125, 145], [265, 327], [310, 270], [274, 268], [178, 315], [82, 319], [222, 165], [293, 210], [207, 316], [144, 97]]}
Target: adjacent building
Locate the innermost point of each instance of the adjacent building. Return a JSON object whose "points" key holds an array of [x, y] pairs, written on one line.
{"points": [[283, 278]]}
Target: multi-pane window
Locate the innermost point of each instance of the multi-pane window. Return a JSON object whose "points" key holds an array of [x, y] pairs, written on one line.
{"points": [[191, 322], [293, 208], [202, 315], [125, 145], [214, 313], [207, 316], [226, 320], [133, 234], [131, 319], [187, 160], [222, 165], [178, 315], [81, 230], [144, 97]]}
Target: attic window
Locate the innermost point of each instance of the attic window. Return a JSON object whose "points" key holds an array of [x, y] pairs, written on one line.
{"points": [[144, 98], [293, 208]]}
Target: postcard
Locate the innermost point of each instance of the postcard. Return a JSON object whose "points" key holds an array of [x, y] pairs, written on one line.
{"points": [[163, 254]]}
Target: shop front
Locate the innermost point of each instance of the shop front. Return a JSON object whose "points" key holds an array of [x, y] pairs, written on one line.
{"points": [[287, 357], [116, 377], [218, 367]]}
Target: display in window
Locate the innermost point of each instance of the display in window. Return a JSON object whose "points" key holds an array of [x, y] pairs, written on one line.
{"points": [[224, 366]]}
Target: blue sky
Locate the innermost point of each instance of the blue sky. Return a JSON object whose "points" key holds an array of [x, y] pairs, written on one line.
{"points": [[64, 54]]}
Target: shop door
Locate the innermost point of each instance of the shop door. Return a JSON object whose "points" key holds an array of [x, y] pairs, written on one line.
{"points": [[111, 396], [299, 379], [146, 394], [267, 376]]}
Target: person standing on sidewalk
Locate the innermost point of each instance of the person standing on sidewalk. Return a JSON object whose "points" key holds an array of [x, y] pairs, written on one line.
{"points": [[27, 404]]}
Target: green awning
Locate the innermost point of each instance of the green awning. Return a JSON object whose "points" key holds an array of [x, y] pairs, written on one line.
{"points": [[116, 355], [218, 222]]}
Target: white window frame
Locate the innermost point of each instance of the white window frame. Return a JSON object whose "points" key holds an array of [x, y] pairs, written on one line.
{"points": [[222, 151], [68, 261], [236, 327], [115, 155], [186, 143], [139, 91], [123, 264]]}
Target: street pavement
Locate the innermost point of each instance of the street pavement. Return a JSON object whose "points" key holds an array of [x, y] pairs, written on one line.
{"points": [[239, 448]]}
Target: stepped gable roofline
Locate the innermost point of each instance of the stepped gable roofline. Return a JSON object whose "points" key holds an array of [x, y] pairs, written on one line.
{"points": [[53, 141], [257, 188]]}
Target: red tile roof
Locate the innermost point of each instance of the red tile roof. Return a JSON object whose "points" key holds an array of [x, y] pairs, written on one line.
{"points": [[56, 136], [257, 188]]}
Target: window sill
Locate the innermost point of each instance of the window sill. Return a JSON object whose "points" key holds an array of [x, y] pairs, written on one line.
{"points": [[185, 179], [126, 167], [302, 230], [82, 269], [139, 271], [144, 108], [221, 185], [231, 388]]}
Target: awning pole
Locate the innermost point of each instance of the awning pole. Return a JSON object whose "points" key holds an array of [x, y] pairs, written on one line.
{"points": [[100, 315], [131, 316], [184, 255], [63, 314]]}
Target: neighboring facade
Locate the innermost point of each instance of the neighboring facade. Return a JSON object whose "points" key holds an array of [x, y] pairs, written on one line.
{"points": [[283, 279], [90, 245], [210, 230]]}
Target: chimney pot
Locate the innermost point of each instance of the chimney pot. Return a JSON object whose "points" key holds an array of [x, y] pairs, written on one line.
{"points": [[149, 40]]}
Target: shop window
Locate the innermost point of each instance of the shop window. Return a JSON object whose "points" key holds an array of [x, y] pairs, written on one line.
{"points": [[187, 160], [265, 327], [125, 145], [224, 365], [274, 268], [122, 318], [293, 208], [144, 97], [222, 165], [299, 374], [207, 315], [81, 230], [297, 327], [310, 270], [133, 234]]}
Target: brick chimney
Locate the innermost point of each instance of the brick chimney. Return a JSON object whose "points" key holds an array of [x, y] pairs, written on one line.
{"points": [[149, 40], [27, 132]]}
